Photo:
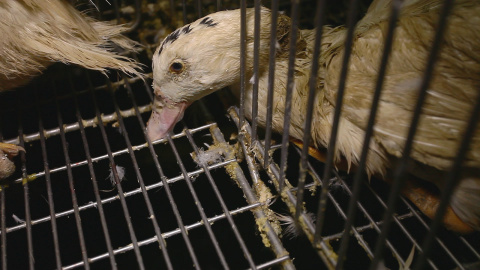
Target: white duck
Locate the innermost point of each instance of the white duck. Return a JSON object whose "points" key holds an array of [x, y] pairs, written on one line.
{"points": [[203, 57], [37, 33]]}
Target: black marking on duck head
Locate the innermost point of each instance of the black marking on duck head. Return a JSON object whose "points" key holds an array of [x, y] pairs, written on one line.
{"points": [[174, 36], [186, 29], [208, 22]]}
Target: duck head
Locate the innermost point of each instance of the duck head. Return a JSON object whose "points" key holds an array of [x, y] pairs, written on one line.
{"points": [[198, 59]]}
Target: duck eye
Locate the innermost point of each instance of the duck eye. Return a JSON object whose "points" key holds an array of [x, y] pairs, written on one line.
{"points": [[176, 67]]}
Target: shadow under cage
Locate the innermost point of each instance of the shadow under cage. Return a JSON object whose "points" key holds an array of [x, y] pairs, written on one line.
{"points": [[221, 191]]}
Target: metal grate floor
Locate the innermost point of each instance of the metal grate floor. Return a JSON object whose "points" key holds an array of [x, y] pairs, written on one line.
{"points": [[91, 192], [72, 215], [62, 210]]}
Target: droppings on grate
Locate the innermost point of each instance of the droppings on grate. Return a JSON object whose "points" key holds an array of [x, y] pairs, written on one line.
{"points": [[92, 192]]}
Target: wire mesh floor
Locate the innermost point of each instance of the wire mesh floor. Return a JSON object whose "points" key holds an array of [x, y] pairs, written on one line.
{"points": [[67, 208], [76, 210], [90, 192]]}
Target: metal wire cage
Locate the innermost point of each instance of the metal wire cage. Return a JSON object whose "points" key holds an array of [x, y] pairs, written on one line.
{"points": [[93, 192]]}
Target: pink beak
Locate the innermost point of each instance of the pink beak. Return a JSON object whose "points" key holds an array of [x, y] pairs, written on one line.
{"points": [[165, 114]]}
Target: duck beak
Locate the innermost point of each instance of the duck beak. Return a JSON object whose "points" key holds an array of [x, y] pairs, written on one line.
{"points": [[165, 114]]}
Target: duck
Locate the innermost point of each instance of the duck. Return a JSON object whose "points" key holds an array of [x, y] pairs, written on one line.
{"points": [[37, 33], [203, 57]]}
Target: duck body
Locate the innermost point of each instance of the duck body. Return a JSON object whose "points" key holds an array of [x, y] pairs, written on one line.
{"points": [[37, 33], [213, 63]]}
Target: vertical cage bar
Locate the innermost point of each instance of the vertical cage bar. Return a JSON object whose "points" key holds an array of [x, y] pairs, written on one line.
{"points": [[163, 178], [319, 20], [48, 183], [71, 184], [351, 20], [142, 126], [404, 229], [271, 81], [108, 242], [198, 204], [184, 11], [121, 195], [289, 91], [181, 226], [3, 232], [148, 203], [217, 192], [273, 172], [337, 206], [401, 170], [4, 228], [256, 64], [28, 218], [173, 11], [243, 56], [451, 181], [199, 8], [358, 178], [276, 244]]}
